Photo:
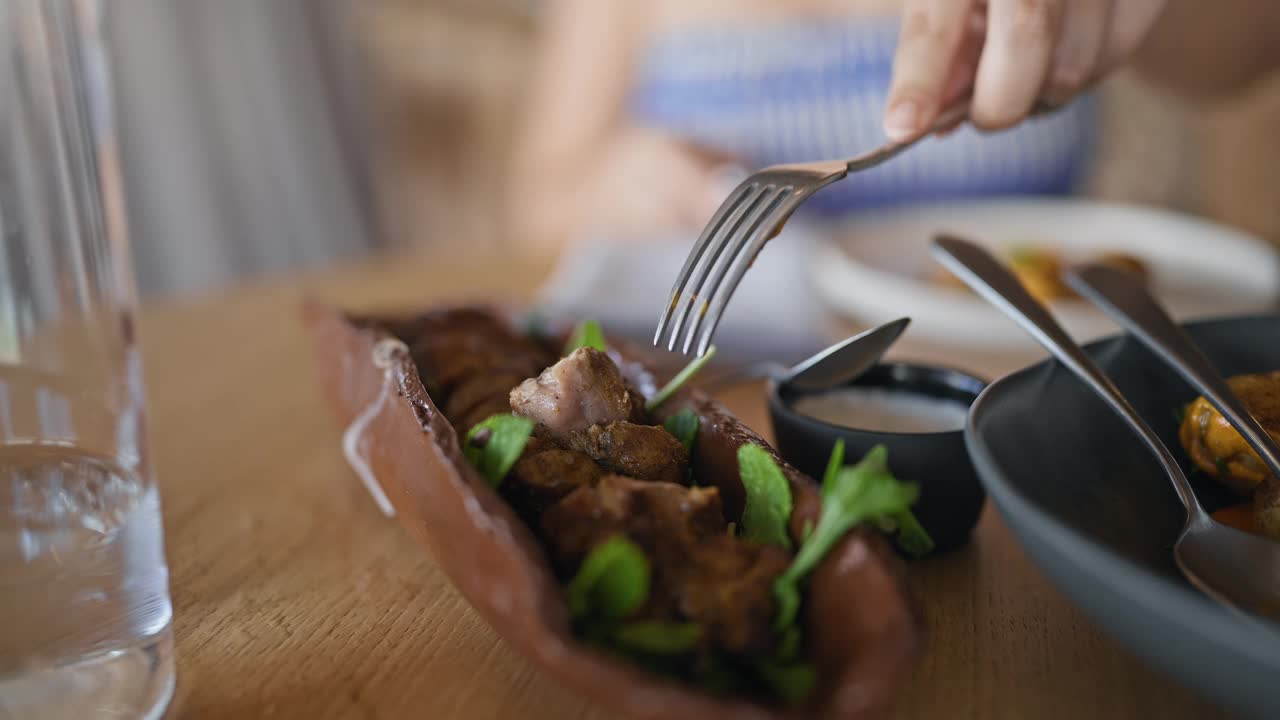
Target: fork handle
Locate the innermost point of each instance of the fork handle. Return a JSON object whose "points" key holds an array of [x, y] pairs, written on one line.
{"points": [[953, 113]]}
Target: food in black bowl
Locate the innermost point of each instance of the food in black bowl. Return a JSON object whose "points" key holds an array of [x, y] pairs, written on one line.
{"points": [[917, 412]]}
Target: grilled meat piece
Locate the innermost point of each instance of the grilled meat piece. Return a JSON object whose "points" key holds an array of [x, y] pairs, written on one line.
{"points": [[584, 389], [645, 512], [496, 405], [1216, 447], [453, 371], [726, 583], [544, 475], [486, 389], [455, 346], [643, 452], [700, 573]]}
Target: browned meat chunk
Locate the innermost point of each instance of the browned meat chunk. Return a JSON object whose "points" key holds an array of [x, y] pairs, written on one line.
{"points": [[467, 352], [646, 512], [452, 360], [544, 475], [700, 573], [727, 585], [644, 452], [483, 411], [581, 390], [484, 389]]}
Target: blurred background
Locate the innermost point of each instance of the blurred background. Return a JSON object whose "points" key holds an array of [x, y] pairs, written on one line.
{"points": [[261, 137]]}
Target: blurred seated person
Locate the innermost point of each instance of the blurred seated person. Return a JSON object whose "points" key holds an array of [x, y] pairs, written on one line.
{"points": [[643, 114]]}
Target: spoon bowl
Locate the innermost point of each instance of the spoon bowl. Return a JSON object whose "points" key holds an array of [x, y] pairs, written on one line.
{"points": [[831, 367], [1215, 557]]}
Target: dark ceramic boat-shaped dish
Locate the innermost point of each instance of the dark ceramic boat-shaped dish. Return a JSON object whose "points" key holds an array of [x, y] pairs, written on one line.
{"points": [[861, 630], [1092, 506]]}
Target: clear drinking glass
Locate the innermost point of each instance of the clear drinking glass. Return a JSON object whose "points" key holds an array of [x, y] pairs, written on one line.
{"points": [[84, 598]]}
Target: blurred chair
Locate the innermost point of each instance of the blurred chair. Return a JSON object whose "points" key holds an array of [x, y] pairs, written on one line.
{"points": [[245, 137]]}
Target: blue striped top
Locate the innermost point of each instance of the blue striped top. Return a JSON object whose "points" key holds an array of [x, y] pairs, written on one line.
{"points": [[816, 91]]}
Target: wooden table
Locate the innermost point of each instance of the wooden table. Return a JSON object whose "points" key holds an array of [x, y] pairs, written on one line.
{"points": [[295, 598]]}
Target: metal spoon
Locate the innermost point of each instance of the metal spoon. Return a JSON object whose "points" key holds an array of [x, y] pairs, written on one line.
{"points": [[1128, 303], [1240, 570], [832, 367]]}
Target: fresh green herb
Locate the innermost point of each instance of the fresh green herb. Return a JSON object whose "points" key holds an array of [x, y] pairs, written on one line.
{"points": [[833, 466], [768, 507], [684, 426], [793, 682], [1220, 465], [495, 444], [856, 494], [587, 333], [654, 637], [680, 379], [612, 583], [788, 644], [911, 535], [1180, 414]]}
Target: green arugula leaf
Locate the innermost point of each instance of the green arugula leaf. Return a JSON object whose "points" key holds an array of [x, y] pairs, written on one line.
{"points": [[768, 507], [613, 581], [655, 637], [793, 682], [587, 333], [863, 492], [679, 380], [684, 426], [788, 644], [833, 466], [911, 535], [495, 444]]}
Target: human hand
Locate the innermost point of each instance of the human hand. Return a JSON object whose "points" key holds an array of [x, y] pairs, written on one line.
{"points": [[636, 184], [648, 183], [1008, 53]]}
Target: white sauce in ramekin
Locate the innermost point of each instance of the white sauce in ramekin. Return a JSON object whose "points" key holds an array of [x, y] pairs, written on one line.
{"points": [[884, 410]]}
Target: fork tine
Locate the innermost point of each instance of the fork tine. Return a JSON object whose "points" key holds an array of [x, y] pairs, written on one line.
{"points": [[747, 214], [779, 210], [714, 256], [704, 240], [743, 234]]}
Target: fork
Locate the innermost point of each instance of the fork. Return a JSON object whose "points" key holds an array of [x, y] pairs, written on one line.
{"points": [[752, 215]]}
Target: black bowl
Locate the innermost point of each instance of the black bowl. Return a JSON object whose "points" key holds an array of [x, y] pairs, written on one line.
{"points": [[950, 495], [1093, 508]]}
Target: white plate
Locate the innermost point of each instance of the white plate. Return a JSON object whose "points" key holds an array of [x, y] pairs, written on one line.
{"points": [[876, 268]]}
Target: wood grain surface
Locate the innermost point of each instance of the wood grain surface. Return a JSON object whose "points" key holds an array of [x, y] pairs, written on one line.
{"points": [[295, 598]]}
